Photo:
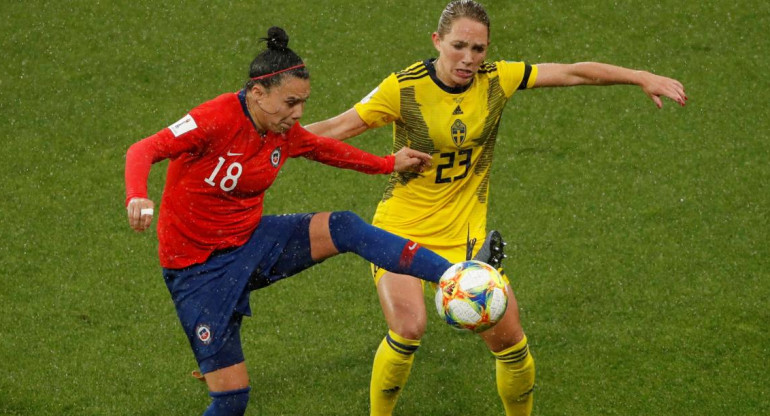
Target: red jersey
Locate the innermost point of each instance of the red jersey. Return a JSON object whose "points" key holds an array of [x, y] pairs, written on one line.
{"points": [[219, 171]]}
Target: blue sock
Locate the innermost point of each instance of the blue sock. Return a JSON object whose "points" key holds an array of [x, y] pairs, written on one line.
{"points": [[228, 403], [393, 253]]}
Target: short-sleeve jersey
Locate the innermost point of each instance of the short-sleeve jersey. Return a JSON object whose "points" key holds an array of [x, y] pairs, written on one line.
{"points": [[447, 203]]}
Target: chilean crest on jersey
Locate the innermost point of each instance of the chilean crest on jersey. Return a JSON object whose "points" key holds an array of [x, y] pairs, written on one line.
{"points": [[204, 333], [275, 157], [458, 132]]}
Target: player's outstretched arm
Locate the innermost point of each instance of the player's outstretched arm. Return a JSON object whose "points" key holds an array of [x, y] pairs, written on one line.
{"points": [[595, 73], [343, 126]]}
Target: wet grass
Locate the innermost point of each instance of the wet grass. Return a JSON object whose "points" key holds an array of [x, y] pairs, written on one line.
{"points": [[638, 238]]}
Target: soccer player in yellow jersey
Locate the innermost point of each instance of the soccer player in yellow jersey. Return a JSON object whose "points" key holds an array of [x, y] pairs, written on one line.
{"points": [[451, 107]]}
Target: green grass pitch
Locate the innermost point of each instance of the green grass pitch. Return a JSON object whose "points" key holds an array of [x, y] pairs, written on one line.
{"points": [[638, 238]]}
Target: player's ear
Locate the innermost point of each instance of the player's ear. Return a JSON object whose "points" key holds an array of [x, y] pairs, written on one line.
{"points": [[436, 40], [258, 90]]}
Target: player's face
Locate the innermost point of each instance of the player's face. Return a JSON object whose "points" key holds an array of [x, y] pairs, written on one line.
{"points": [[461, 51], [283, 105]]}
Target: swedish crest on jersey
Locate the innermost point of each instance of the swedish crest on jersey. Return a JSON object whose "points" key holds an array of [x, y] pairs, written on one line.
{"points": [[459, 132]]}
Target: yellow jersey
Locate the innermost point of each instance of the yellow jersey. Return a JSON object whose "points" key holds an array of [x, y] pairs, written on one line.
{"points": [[446, 204]]}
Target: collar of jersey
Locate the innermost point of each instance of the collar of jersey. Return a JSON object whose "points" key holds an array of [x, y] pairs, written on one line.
{"points": [[432, 72]]}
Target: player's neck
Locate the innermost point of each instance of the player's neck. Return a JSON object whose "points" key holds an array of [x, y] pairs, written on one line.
{"points": [[446, 77], [250, 106], [441, 75]]}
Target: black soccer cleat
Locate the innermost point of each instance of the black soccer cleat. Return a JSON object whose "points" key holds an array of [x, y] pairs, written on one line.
{"points": [[492, 251]]}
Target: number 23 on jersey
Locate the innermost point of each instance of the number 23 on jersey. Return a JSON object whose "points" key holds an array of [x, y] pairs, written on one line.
{"points": [[444, 170]]}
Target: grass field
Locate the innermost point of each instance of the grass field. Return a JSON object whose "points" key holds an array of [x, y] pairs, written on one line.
{"points": [[638, 238]]}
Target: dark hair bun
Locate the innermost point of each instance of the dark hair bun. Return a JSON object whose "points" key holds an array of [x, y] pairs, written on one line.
{"points": [[277, 39]]}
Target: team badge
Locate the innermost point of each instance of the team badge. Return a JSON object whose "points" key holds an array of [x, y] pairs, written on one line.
{"points": [[458, 132], [204, 333], [275, 157]]}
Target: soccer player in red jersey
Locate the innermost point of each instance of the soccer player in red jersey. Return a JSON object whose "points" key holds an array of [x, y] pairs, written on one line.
{"points": [[215, 245]]}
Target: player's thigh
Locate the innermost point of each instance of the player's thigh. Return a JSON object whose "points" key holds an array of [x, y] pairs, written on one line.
{"points": [[508, 331], [321, 244], [229, 378], [403, 304]]}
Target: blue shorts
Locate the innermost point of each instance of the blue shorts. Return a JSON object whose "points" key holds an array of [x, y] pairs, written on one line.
{"points": [[212, 297]]}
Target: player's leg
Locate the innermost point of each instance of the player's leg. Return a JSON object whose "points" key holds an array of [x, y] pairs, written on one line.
{"points": [[233, 377], [210, 300], [403, 305], [514, 364], [401, 295], [226, 375], [229, 389], [343, 231]]}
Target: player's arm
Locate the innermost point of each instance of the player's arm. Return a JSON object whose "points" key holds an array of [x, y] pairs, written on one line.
{"points": [[595, 73], [139, 160], [341, 127], [342, 155]]}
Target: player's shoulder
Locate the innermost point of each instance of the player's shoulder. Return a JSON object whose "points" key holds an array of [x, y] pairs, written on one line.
{"points": [[226, 101], [512, 75], [223, 107], [496, 67], [415, 71], [219, 114], [488, 67]]}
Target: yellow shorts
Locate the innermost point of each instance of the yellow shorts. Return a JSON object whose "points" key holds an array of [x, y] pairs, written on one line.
{"points": [[455, 254]]}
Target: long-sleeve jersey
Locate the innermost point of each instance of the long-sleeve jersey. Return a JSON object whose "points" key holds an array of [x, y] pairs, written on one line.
{"points": [[220, 167]]}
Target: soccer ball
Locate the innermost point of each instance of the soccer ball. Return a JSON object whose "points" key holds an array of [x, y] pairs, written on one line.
{"points": [[471, 295]]}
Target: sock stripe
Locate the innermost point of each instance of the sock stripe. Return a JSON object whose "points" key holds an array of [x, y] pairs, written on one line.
{"points": [[401, 348], [514, 356], [229, 392]]}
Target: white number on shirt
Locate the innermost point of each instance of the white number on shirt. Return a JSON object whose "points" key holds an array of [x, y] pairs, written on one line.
{"points": [[230, 180]]}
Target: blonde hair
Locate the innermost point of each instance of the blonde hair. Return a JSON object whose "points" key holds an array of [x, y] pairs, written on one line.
{"points": [[461, 8]]}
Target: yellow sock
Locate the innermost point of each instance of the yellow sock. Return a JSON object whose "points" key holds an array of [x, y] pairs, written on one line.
{"points": [[390, 370], [516, 378]]}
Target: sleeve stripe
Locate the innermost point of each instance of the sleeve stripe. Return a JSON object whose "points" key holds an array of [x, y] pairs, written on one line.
{"points": [[412, 73], [487, 67], [525, 79]]}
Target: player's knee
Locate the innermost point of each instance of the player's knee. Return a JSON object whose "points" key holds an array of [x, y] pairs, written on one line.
{"points": [[343, 227], [228, 403], [343, 220], [413, 328]]}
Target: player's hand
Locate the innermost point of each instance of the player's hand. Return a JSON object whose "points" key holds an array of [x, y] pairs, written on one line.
{"points": [[140, 213], [411, 160], [656, 86]]}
